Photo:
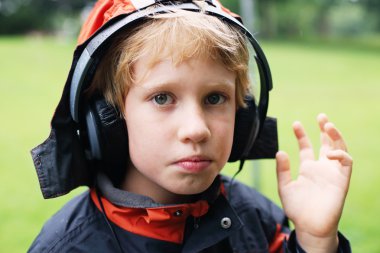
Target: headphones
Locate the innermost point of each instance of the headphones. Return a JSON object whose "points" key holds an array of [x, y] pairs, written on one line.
{"points": [[101, 128]]}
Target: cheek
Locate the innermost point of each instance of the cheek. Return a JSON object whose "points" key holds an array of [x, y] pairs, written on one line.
{"points": [[224, 133], [146, 139]]}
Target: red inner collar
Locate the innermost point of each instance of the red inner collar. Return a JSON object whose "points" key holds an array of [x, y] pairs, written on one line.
{"points": [[165, 223]]}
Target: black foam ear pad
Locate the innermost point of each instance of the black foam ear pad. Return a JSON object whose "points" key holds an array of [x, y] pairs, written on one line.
{"points": [[246, 129], [107, 138]]}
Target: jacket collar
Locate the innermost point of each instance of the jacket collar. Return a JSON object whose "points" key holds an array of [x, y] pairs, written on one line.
{"points": [[196, 225]]}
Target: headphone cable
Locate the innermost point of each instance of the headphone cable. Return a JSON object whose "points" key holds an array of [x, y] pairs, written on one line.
{"points": [[107, 220], [232, 181]]}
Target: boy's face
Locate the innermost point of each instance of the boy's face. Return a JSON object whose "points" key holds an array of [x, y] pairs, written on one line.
{"points": [[180, 122]]}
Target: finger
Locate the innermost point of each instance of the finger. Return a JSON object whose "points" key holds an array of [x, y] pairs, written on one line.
{"points": [[322, 120], [340, 155], [335, 136], [283, 169], [325, 139], [304, 144], [343, 158]]}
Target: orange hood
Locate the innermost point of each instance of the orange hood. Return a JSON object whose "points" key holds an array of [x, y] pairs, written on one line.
{"points": [[105, 10]]}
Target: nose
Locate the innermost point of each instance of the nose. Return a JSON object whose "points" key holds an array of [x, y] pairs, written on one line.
{"points": [[193, 126]]}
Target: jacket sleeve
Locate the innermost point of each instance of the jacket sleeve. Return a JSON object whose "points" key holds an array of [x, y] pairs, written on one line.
{"points": [[291, 245], [280, 237]]}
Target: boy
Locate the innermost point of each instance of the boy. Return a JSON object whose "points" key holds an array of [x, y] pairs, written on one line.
{"points": [[174, 76]]}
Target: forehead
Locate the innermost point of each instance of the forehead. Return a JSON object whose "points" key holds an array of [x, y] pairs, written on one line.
{"points": [[188, 71], [177, 51]]}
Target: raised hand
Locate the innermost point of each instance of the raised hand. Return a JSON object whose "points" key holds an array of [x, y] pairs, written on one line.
{"points": [[314, 200]]}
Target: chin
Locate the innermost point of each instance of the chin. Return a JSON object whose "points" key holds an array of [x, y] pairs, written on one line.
{"points": [[191, 189]]}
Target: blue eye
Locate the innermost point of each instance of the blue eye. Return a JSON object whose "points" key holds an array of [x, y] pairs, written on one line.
{"points": [[215, 99], [162, 99]]}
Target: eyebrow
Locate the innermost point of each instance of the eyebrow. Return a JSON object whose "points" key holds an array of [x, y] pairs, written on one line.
{"points": [[223, 84], [219, 85]]}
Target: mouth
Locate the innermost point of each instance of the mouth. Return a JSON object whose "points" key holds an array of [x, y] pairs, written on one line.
{"points": [[194, 164]]}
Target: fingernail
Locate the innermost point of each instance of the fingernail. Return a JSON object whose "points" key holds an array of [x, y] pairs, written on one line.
{"points": [[329, 125], [296, 123], [322, 116]]}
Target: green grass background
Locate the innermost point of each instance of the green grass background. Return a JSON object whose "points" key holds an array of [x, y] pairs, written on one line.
{"points": [[340, 79]]}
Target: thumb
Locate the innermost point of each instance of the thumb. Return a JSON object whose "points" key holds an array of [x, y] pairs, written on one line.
{"points": [[283, 169]]}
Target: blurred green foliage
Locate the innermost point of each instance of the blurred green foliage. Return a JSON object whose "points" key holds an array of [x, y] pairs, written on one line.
{"points": [[298, 18], [42, 16], [272, 18]]}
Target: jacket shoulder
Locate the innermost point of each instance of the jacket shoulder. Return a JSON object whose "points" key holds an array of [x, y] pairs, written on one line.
{"points": [[247, 198], [69, 222]]}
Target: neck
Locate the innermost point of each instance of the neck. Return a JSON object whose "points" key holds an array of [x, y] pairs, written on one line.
{"points": [[137, 183]]}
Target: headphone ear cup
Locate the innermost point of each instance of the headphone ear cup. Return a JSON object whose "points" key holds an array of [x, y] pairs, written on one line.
{"points": [[93, 136], [107, 138], [247, 125]]}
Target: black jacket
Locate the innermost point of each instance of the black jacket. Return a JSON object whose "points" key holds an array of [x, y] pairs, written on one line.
{"points": [[246, 223]]}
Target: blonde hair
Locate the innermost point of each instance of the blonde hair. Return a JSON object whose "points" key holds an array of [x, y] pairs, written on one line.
{"points": [[179, 35]]}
